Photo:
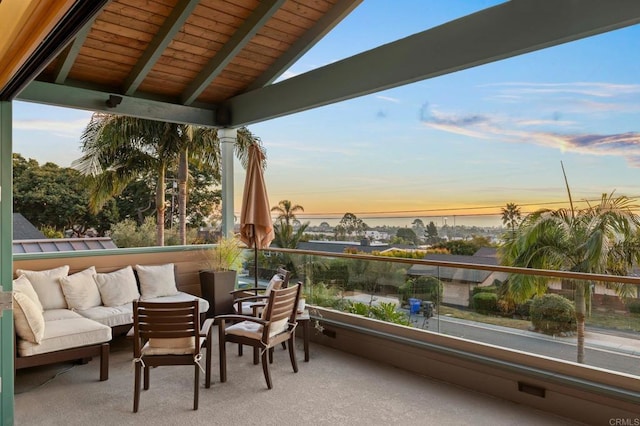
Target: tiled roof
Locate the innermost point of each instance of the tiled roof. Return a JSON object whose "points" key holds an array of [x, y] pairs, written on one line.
{"points": [[24, 230], [458, 274]]}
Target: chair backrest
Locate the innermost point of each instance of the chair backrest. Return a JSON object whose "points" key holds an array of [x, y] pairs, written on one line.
{"points": [[281, 310], [165, 322], [286, 276]]}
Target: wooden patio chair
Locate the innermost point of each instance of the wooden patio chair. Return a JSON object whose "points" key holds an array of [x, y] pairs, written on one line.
{"points": [[276, 324], [247, 305], [169, 334]]}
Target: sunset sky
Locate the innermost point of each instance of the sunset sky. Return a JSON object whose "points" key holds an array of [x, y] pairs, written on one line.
{"points": [[443, 147]]}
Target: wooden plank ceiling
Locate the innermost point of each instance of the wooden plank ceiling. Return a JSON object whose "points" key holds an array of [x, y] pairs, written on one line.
{"points": [[214, 62], [190, 52]]}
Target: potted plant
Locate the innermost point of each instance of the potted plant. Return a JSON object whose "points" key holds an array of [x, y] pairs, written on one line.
{"points": [[218, 278]]}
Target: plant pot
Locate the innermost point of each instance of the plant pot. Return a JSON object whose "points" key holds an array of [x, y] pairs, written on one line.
{"points": [[216, 288]]}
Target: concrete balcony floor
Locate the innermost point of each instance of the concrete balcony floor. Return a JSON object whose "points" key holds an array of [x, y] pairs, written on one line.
{"points": [[334, 388]]}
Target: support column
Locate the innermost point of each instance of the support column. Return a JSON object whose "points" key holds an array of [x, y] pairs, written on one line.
{"points": [[6, 265], [228, 138]]}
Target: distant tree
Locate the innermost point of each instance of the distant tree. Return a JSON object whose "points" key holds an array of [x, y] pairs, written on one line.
{"points": [[459, 247], [128, 233], [351, 225], [56, 198], [287, 211], [432, 234], [417, 224], [137, 200], [407, 235], [511, 216]]}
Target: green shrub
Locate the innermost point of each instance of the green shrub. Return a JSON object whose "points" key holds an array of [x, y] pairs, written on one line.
{"points": [[423, 288], [322, 295], [553, 314], [634, 307], [357, 308], [485, 303], [523, 310], [383, 312], [387, 312], [487, 289]]}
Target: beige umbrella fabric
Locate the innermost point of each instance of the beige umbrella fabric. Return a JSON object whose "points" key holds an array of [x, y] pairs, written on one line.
{"points": [[256, 226]]}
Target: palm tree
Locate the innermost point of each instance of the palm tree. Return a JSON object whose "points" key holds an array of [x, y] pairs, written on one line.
{"points": [[598, 239], [286, 236], [287, 211], [511, 216], [201, 146], [118, 150]]}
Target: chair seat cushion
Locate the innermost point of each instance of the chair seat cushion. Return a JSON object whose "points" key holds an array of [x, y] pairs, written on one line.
{"points": [[177, 346], [65, 334], [253, 330]]}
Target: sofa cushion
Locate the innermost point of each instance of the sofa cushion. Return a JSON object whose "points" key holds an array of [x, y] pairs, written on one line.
{"points": [[23, 285], [118, 287], [80, 289], [47, 286], [28, 318], [58, 314], [111, 316], [65, 334], [203, 304], [156, 281]]}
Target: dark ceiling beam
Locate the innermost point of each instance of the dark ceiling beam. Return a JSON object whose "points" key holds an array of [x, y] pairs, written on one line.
{"points": [[100, 101], [309, 39], [162, 39], [69, 54], [503, 31], [240, 38]]}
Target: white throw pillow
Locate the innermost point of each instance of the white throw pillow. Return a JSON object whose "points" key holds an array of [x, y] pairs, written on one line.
{"points": [[28, 318], [156, 281], [80, 289], [274, 284], [118, 287], [23, 285], [47, 286]]}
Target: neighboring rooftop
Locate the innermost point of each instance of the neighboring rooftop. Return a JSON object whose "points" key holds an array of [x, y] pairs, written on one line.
{"points": [[484, 256], [62, 244], [24, 230]]}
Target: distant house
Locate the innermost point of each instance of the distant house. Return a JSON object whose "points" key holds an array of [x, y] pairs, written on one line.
{"points": [[28, 239], [459, 282]]}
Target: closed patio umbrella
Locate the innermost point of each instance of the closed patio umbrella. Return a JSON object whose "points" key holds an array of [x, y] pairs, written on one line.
{"points": [[256, 226]]}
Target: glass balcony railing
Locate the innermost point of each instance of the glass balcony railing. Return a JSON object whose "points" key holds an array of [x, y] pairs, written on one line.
{"points": [[472, 302]]}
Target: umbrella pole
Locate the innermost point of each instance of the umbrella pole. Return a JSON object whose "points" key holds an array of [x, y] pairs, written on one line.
{"points": [[255, 259]]}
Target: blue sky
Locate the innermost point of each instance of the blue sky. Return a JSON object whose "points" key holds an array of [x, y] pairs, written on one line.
{"points": [[442, 147]]}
